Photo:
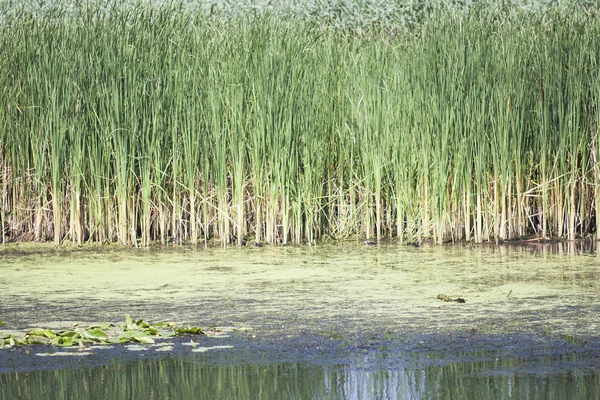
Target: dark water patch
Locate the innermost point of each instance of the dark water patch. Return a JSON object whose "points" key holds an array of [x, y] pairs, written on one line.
{"points": [[527, 353], [310, 367]]}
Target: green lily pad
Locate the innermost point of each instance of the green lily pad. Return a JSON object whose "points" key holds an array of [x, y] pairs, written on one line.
{"points": [[35, 339], [48, 333], [93, 334], [104, 326], [62, 341], [36, 332], [97, 334], [11, 341], [164, 324], [137, 331], [189, 329], [129, 324], [118, 340], [141, 324], [71, 334], [144, 339], [131, 334]]}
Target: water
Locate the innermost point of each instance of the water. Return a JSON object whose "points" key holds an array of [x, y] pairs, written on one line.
{"points": [[186, 379], [342, 321]]}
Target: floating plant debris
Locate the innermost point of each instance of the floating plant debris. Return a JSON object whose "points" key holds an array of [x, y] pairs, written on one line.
{"points": [[447, 298]]}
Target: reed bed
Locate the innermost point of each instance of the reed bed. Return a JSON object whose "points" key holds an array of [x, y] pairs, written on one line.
{"points": [[154, 123]]}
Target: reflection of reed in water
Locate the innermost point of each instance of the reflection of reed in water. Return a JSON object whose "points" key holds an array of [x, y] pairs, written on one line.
{"points": [[193, 378], [561, 247]]}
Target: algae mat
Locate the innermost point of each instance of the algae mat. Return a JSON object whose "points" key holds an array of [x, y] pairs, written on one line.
{"points": [[336, 291]]}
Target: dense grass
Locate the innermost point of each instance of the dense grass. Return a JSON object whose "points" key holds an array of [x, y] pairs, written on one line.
{"points": [[144, 123]]}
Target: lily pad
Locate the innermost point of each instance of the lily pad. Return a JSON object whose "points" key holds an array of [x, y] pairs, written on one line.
{"points": [[36, 332], [103, 326], [137, 331], [62, 341], [35, 339], [118, 340], [71, 334], [95, 334], [189, 329], [48, 333], [144, 339]]}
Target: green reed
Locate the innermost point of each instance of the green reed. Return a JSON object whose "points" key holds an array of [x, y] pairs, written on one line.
{"points": [[148, 123]]}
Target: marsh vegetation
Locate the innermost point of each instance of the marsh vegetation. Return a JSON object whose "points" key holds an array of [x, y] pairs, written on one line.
{"points": [[144, 123]]}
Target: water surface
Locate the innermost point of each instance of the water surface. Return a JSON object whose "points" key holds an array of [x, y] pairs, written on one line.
{"points": [[325, 322]]}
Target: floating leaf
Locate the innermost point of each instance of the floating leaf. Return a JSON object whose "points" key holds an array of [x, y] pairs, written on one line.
{"points": [[118, 340], [104, 326], [131, 334], [12, 341], [1, 322], [101, 333], [97, 334], [144, 339], [152, 331], [62, 341], [141, 324], [188, 329], [71, 334], [93, 334], [48, 333], [36, 332], [129, 324], [35, 339]]}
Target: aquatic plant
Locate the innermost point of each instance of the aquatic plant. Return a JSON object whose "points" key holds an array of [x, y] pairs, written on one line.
{"points": [[132, 331], [139, 124]]}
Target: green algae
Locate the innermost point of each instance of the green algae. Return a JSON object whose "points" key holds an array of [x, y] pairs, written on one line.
{"points": [[333, 290]]}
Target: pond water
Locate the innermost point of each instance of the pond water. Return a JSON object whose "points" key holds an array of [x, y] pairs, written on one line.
{"points": [[330, 321]]}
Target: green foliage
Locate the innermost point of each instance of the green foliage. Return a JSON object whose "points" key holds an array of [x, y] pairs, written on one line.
{"points": [[137, 331], [139, 123]]}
